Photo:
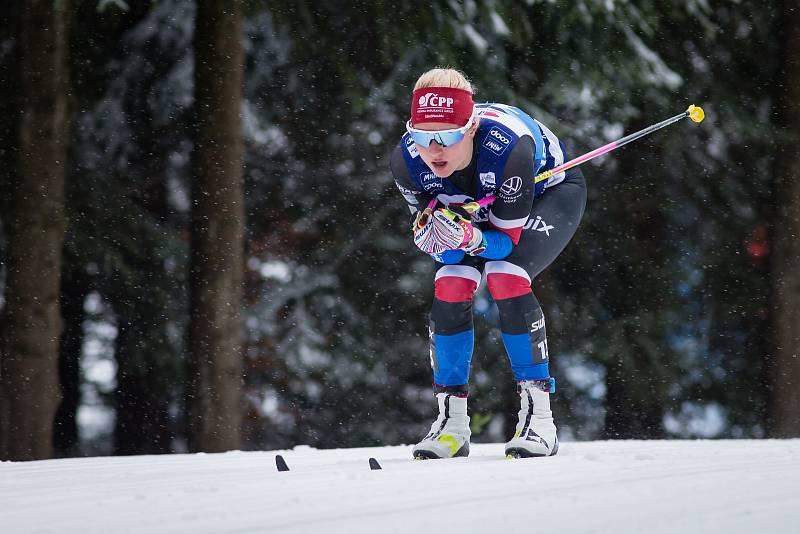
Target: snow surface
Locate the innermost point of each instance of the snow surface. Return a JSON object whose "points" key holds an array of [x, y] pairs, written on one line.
{"points": [[613, 486]]}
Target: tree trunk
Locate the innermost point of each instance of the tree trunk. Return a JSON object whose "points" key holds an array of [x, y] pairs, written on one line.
{"points": [[142, 396], [214, 385], [784, 420], [31, 323], [146, 372], [74, 288]]}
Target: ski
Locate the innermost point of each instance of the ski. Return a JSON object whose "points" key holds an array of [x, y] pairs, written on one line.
{"points": [[374, 465], [280, 463], [282, 466]]}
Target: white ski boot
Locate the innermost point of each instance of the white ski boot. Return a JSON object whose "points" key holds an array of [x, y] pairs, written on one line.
{"points": [[449, 435], [535, 433]]}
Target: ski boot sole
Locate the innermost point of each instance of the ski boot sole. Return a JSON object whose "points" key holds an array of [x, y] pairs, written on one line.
{"points": [[518, 452], [423, 454]]}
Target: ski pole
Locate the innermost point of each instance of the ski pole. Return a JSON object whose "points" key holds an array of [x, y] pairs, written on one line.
{"points": [[464, 209], [695, 113]]}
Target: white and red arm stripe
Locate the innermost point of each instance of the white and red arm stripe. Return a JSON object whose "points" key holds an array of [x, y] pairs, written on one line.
{"points": [[512, 228]]}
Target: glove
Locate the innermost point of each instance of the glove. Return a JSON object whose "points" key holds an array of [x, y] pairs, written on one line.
{"points": [[424, 236], [455, 232]]}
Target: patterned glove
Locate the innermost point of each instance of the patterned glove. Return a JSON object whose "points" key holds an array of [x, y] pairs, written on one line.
{"points": [[456, 232], [424, 237]]}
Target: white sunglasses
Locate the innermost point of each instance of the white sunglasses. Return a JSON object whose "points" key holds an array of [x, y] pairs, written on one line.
{"points": [[443, 137]]}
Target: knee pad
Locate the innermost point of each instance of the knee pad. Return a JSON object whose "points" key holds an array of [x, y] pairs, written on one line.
{"points": [[506, 280], [456, 283]]}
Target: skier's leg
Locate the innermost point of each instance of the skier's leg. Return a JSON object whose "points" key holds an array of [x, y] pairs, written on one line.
{"points": [[553, 222], [521, 320], [523, 331], [451, 344], [451, 330]]}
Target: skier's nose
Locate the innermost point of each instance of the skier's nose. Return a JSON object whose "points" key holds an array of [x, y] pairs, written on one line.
{"points": [[435, 147]]}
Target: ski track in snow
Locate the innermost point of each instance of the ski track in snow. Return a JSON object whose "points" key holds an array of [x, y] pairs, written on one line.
{"points": [[728, 486]]}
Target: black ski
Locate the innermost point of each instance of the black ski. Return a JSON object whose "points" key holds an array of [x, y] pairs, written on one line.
{"points": [[280, 463]]}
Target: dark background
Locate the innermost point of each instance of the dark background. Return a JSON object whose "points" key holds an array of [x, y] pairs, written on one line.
{"points": [[668, 315]]}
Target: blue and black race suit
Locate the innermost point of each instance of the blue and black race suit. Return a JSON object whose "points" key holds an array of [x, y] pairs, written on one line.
{"points": [[509, 149]]}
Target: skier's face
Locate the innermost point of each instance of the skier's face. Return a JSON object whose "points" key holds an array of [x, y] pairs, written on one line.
{"points": [[444, 161]]}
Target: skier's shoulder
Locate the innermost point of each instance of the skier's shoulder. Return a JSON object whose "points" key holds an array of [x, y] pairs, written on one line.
{"points": [[400, 161], [502, 132], [502, 126]]}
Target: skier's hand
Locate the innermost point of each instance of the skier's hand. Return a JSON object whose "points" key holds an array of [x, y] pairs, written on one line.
{"points": [[457, 232], [424, 236]]}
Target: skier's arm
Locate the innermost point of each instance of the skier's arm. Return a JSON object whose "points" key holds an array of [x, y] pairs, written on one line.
{"points": [[511, 210], [507, 216], [416, 200]]}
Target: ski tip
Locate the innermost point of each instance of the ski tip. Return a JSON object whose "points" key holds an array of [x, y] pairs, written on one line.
{"points": [[280, 463], [374, 465]]}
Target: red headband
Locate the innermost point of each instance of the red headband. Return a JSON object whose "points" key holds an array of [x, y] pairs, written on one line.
{"points": [[441, 104]]}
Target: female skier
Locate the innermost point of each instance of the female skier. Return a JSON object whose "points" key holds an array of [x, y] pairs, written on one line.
{"points": [[467, 172]]}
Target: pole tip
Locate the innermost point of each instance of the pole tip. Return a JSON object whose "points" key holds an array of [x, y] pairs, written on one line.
{"points": [[696, 113]]}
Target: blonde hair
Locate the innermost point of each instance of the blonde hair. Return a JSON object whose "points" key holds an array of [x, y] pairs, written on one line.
{"points": [[444, 77]]}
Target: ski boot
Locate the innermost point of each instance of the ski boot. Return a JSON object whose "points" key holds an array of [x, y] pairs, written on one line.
{"points": [[535, 432], [449, 435]]}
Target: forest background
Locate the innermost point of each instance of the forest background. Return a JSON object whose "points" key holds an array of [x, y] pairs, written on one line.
{"points": [[202, 249]]}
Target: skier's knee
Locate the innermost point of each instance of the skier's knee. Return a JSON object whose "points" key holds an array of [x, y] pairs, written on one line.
{"points": [[506, 280], [456, 283]]}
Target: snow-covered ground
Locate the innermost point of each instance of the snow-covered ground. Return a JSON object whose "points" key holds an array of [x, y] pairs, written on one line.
{"points": [[617, 486]]}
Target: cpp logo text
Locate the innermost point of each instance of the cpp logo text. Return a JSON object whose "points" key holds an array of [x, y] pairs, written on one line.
{"points": [[435, 101]]}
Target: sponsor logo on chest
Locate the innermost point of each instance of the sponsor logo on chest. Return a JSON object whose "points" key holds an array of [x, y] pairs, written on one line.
{"points": [[430, 181], [488, 181], [497, 140]]}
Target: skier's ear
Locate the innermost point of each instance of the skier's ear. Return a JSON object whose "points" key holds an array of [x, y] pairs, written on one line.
{"points": [[474, 128]]}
